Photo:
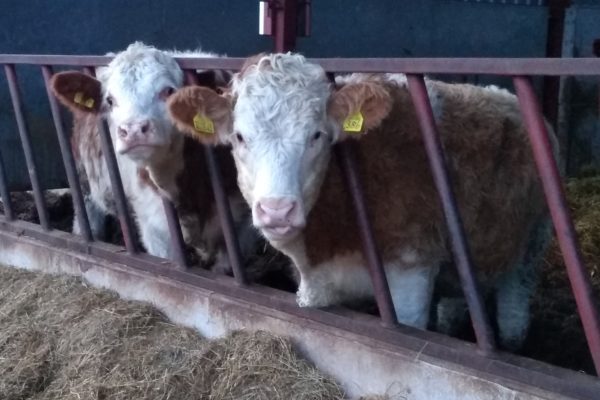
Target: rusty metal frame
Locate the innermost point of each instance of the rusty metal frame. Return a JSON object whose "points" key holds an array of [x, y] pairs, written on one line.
{"points": [[38, 194], [460, 248], [5, 193], [519, 69], [222, 205], [68, 160]]}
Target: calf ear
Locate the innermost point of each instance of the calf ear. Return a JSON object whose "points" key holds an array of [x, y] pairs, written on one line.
{"points": [[77, 91], [201, 113], [359, 107]]}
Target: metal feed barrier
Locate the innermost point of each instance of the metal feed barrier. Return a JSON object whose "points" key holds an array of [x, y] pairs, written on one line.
{"points": [[485, 363]]}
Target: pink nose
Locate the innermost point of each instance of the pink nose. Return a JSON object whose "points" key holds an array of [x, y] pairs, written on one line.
{"points": [[140, 128], [274, 212]]}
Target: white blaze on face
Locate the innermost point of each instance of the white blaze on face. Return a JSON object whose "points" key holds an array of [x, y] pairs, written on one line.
{"points": [[281, 141], [135, 86]]}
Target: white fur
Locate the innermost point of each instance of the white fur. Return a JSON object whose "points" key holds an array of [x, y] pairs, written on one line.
{"points": [[277, 120], [133, 80], [344, 278], [280, 103]]}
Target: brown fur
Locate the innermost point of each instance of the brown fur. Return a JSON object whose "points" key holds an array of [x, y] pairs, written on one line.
{"points": [[371, 99], [192, 100], [194, 181], [66, 85], [490, 164]]}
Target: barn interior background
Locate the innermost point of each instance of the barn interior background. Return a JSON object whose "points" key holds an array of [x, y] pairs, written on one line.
{"points": [[355, 28], [339, 28]]}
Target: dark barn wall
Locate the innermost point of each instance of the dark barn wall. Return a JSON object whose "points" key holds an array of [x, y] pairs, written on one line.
{"points": [[358, 28], [583, 96]]}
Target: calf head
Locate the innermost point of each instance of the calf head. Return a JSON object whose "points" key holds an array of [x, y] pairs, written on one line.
{"points": [[281, 117], [130, 93]]}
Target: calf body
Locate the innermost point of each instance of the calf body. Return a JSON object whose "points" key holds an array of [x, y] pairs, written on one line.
{"points": [[284, 118], [154, 158]]}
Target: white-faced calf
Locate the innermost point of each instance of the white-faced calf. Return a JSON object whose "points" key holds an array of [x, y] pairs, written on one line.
{"points": [[282, 116], [154, 157]]}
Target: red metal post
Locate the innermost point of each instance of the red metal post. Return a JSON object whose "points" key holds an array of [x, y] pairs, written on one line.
{"points": [[5, 193], [177, 243], [286, 24], [559, 210], [554, 43], [223, 207], [125, 221], [346, 156], [68, 160], [38, 193], [460, 248]]}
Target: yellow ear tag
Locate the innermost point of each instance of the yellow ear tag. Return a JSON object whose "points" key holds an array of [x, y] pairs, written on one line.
{"points": [[89, 103], [203, 124], [353, 123], [78, 98]]}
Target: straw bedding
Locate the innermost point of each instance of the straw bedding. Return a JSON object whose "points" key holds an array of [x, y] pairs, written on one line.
{"points": [[556, 333], [62, 340]]}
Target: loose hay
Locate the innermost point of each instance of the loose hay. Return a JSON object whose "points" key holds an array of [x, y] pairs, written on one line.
{"points": [[556, 333], [62, 340]]}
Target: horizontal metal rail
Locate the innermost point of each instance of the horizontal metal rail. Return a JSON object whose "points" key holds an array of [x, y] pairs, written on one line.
{"points": [[415, 68], [476, 66]]}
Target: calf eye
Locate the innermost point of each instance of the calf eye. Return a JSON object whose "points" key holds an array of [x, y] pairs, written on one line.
{"points": [[110, 100], [239, 138], [166, 92], [317, 135]]}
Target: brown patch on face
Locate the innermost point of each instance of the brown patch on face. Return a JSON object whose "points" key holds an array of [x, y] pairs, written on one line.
{"points": [[192, 101], [77, 91], [370, 98]]}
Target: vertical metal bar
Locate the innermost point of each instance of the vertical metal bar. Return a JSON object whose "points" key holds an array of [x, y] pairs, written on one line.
{"points": [[554, 43], [286, 21], [38, 194], [559, 210], [125, 220], [177, 243], [223, 206], [5, 192], [460, 248], [346, 155], [68, 160]]}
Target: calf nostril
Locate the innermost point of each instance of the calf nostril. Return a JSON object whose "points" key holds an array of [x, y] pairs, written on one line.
{"points": [[145, 127], [122, 132], [291, 208]]}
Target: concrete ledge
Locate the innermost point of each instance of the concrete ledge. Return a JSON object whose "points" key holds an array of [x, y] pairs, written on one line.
{"points": [[363, 356]]}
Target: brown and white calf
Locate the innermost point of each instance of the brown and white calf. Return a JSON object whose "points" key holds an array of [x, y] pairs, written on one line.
{"points": [[154, 157], [282, 116]]}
